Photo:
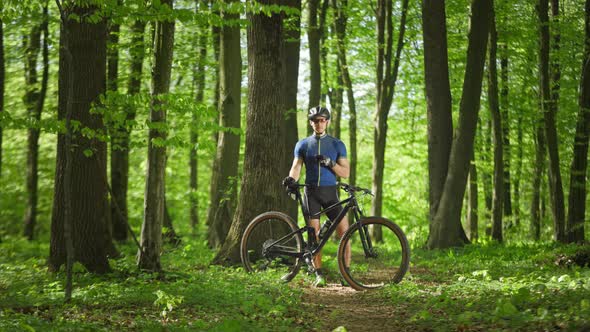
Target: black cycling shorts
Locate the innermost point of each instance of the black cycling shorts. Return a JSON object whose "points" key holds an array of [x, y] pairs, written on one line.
{"points": [[318, 198]]}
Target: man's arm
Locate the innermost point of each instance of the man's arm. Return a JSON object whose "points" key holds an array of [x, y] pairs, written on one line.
{"points": [[295, 171], [342, 168]]}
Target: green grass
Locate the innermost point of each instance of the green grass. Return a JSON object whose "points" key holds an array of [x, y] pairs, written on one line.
{"points": [[191, 295], [493, 287], [483, 287]]}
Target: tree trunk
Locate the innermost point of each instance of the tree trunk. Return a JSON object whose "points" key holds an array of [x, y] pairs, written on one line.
{"points": [[315, 70], [32, 44], [113, 55], [438, 98], [387, 70], [472, 207], [341, 8], [170, 234], [498, 196], [225, 169], [81, 175], [486, 176], [578, 169], [518, 169], [216, 41], [155, 198], [120, 150], [199, 83], [446, 229], [292, 48], [537, 179], [549, 91], [2, 79], [504, 111], [261, 190]]}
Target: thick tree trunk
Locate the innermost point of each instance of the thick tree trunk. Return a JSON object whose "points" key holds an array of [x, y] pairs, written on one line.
{"points": [[438, 98], [261, 190], [472, 207], [446, 229], [225, 169], [155, 197], [81, 176], [578, 169], [549, 93], [291, 54], [120, 150], [315, 70], [387, 70], [498, 196]]}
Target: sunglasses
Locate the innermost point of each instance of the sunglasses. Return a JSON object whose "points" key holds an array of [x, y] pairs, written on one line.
{"points": [[320, 120]]}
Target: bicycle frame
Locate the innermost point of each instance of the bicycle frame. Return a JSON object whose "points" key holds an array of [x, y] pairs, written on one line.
{"points": [[312, 246]]}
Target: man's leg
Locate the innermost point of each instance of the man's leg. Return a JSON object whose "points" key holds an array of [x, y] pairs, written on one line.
{"points": [[317, 260], [340, 230]]}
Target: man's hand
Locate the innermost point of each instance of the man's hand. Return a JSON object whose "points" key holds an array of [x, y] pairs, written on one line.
{"points": [[291, 190], [288, 181], [325, 161]]}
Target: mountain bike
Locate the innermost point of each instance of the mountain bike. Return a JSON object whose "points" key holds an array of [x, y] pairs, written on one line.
{"points": [[273, 242]]}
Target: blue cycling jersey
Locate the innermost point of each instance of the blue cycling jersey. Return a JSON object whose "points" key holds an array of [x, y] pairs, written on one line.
{"points": [[309, 147]]}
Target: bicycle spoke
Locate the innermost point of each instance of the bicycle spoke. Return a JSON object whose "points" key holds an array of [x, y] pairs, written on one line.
{"points": [[384, 262]]}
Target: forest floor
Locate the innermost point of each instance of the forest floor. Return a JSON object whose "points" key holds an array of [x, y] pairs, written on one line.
{"points": [[482, 287], [338, 307]]}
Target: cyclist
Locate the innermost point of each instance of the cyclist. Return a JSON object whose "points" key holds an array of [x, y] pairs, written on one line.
{"points": [[324, 157]]}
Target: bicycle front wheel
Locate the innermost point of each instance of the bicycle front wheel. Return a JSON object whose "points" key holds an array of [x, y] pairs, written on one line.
{"points": [[270, 244], [373, 264]]}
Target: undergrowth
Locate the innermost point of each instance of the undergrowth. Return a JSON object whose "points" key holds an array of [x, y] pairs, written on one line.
{"points": [[483, 287]]}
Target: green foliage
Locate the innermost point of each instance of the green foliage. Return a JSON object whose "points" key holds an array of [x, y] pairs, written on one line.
{"points": [[515, 287], [189, 295]]}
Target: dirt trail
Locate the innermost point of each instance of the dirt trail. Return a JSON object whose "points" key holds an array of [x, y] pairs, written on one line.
{"points": [[356, 311]]}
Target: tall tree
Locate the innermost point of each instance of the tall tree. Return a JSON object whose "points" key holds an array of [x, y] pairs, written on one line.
{"points": [[155, 198], [472, 207], [225, 168], [315, 70], [577, 197], [34, 101], [113, 54], [2, 80], [292, 46], [438, 98], [120, 145], [518, 169], [498, 196], [549, 93], [341, 18], [387, 70], [199, 83], [446, 230], [261, 190], [540, 157], [79, 213], [504, 112]]}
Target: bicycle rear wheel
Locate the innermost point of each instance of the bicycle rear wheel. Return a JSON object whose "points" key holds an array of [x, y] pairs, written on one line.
{"points": [[265, 244], [374, 264]]}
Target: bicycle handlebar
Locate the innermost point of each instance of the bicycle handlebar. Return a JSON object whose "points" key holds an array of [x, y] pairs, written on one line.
{"points": [[345, 186]]}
